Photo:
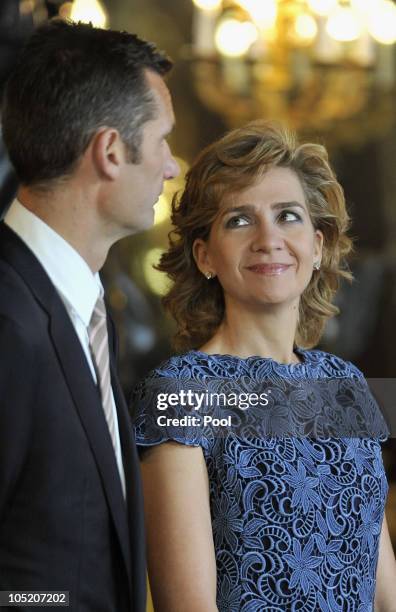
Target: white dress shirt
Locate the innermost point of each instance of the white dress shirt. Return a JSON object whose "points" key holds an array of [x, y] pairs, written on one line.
{"points": [[77, 286]]}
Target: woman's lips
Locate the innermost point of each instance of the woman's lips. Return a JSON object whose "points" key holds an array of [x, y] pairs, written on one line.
{"points": [[269, 269]]}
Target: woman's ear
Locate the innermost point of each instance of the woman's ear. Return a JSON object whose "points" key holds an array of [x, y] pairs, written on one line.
{"points": [[202, 258], [318, 246]]}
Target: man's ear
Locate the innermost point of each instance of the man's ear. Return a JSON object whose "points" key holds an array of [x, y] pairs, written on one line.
{"points": [[108, 153]]}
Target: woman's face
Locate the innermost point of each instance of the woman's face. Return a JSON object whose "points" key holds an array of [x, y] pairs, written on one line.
{"points": [[262, 245]]}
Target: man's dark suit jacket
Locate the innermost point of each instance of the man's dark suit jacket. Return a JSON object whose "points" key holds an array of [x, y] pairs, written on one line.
{"points": [[64, 524]]}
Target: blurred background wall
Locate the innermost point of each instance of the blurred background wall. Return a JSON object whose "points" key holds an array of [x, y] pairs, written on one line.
{"points": [[324, 67]]}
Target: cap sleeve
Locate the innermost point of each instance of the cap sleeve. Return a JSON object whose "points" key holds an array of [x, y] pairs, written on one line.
{"points": [[370, 401], [160, 415]]}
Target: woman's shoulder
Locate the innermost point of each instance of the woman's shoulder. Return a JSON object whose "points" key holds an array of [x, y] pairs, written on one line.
{"points": [[356, 407], [330, 364], [171, 372]]}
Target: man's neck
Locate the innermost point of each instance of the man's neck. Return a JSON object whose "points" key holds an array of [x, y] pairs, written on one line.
{"points": [[69, 215]]}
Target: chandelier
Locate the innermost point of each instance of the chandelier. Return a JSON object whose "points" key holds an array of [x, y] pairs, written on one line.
{"points": [[86, 11], [324, 67]]}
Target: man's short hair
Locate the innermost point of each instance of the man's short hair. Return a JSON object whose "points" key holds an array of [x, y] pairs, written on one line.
{"points": [[70, 80]]}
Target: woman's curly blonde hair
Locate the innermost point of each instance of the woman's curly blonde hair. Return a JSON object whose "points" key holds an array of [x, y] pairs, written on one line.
{"points": [[232, 164]]}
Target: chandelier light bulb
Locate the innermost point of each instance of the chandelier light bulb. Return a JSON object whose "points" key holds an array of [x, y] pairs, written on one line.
{"points": [[365, 6], [89, 11], [382, 23], [263, 13], [234, 38], [305, 28], [208, 5], [322, 7], [65, 10], [344, 25]]}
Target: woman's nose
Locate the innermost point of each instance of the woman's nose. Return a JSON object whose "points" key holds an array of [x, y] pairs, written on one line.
{"points": [[267, 237]]}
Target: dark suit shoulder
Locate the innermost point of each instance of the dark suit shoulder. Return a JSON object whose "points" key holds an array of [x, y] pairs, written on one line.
{"points": [[17, 302]]}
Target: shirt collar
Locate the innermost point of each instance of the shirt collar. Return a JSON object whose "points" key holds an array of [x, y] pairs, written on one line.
{"points": [[68, 271]]}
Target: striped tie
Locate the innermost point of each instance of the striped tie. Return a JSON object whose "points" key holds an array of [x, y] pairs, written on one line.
{"points": [[99, 345]]}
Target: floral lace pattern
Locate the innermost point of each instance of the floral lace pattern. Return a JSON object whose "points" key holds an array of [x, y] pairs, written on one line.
{"points": [[296, 520]]}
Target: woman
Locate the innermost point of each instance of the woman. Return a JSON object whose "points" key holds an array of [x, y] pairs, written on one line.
{"points": [[252, 522]]}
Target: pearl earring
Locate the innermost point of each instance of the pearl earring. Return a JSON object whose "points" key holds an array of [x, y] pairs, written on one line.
{"points": [[208, 275], [316, 265]]}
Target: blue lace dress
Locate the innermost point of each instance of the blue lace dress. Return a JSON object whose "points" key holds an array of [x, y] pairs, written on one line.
{"points": [[296, 519]]}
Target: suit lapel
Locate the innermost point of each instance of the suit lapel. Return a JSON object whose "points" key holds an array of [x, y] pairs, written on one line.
{"points": [[77, 374], [89, 407], [134, 496], [134, 491]]}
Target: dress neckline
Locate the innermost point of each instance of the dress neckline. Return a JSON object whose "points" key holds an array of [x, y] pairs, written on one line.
{"points": [[302, 353]]}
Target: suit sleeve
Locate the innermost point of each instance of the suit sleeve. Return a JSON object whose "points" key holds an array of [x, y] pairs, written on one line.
{"points": [[18, 365]]}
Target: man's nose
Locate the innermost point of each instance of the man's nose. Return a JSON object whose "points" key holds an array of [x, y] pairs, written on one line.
{"points": [[172, 168]]}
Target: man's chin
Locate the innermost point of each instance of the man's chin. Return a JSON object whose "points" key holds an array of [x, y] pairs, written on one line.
{"points": [[148, 221], [136, 227]]}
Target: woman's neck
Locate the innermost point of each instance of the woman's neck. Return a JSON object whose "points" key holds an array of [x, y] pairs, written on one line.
{"points": [[245, 333]]}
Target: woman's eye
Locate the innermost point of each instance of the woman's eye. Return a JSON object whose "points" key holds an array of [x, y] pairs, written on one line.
{"points": [[237, 221], [289, 215]]}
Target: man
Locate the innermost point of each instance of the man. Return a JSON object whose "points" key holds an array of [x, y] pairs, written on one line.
{"points": [[85, 119]]}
